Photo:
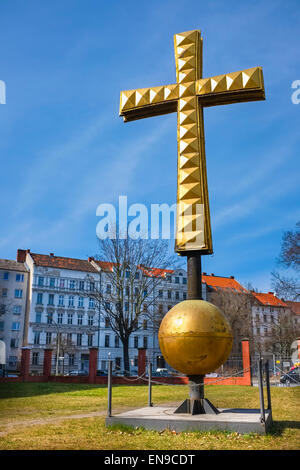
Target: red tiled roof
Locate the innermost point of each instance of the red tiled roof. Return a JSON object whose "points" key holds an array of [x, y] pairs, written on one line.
{"points": [[155, 272], [62, 262], [269, 299], [294, 306], [11, 265], [222, 283]]}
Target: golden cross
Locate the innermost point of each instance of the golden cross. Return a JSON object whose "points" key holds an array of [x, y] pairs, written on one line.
{"points": [[188, 97]]}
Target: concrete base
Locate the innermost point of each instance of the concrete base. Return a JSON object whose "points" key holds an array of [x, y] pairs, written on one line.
{"points": [[158, 418]]}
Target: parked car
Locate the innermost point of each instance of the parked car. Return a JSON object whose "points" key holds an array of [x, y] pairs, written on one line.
{"points": [[291, 377], [102, 373], [79, 372], [161, 373]]}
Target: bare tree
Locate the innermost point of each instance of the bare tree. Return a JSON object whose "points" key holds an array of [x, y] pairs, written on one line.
{"points": [[289, 258], [134, 268], [281, 336], [236, 306]]}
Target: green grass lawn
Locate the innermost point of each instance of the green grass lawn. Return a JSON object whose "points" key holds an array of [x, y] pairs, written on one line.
{"points": [[39, 416]]}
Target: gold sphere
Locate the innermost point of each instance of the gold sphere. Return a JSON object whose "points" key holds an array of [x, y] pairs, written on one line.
{"points": [[195, 337]]}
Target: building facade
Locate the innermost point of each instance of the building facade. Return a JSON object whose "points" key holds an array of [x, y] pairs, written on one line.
{"points": [[13, 303], [49, 301]]}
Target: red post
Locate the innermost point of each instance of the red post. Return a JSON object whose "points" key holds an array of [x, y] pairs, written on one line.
{"points": [[47, 363], [141, 361], [246, 361], [25, 363], [93, 365]]}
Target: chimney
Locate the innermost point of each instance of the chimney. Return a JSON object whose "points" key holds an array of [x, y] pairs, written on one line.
{"points": [[212, 274], [231, 277], [204, 274], [51, 254], [272, 293], [21, 255], [90, 258]]}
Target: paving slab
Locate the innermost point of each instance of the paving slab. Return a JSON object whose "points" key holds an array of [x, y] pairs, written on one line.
{"points": [[159, 418]]}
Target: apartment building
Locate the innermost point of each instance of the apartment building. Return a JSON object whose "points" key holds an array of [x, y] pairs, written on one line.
{"points": [[13, 303]]}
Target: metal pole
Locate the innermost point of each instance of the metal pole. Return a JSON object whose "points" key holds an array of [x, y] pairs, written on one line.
{"points": [[261, 392], [268, 385], [194, 276], [109, 387], [150, 384]]}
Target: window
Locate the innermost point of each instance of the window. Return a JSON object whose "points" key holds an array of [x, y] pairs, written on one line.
{"points": [[60, 318], [19, 277], [52, 282], [106, 341], [127, 291], [40, 281], [91, 303], [51, 299], [136, 342], [90, 320], [145, 341], [72, 284], [90, 340], [4, 292], [177, 295], [48, 337], [71, 300], [35, 358], [117, 341], [79, 339], [17, 309], [126, 306], [1, 325], [145, 292], [169, 278], [14, 343], [62, 283], [38, 318], [6, 276], [108, 288], [161, 308], [12, 361], [39, 299], [107, 323], [184, 281], [70, 318], [81, 285], [50, 318], [69, 338], [160, 294], [36, 337], [127, 274], [176, 280], [15, 326], [61, 300], [107, 305], [71, 359], [169, 294], [18, 293], [80, 301], [79, 319], [184, 295], [92, 286], [145, 324], [137, 276]]}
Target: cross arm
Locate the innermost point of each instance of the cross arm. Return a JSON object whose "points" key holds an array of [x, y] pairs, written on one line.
{"points": [[236, 87], [148, 102]]}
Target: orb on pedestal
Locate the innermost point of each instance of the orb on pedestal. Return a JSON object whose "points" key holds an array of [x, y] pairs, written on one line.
{"points": [[195, 337]]}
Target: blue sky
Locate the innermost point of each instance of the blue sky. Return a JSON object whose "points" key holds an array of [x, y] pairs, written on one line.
{"points": [[64, 149]]}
